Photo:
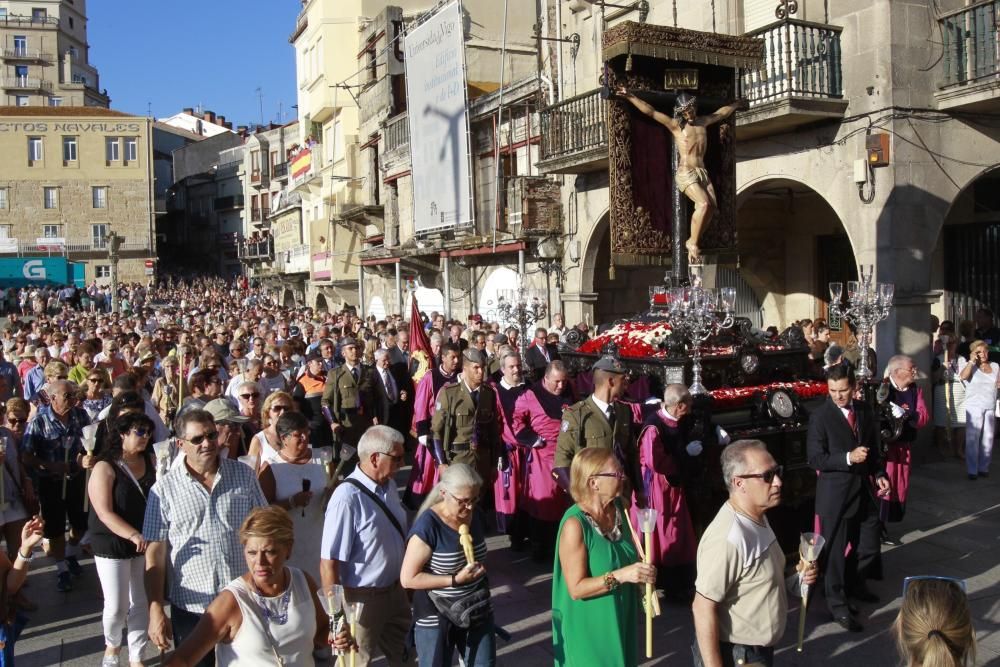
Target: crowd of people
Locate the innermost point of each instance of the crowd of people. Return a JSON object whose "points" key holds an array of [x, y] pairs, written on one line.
{"points": [[235, 462]]}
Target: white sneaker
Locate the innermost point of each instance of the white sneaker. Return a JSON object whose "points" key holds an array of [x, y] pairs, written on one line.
{"points": [[110, 661]]}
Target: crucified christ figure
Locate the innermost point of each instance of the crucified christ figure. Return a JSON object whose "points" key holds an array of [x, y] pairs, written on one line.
{"points": [[691, 138]]}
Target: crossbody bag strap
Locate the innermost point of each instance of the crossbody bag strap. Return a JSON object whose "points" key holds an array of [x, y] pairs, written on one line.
{"points": [[378, 501]]}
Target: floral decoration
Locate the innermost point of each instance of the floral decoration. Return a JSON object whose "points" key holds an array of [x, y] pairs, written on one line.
{"points": [[736, 397], [634, 339]]}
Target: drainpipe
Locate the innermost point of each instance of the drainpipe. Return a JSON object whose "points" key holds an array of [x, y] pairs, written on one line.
{"points": [[361, 291], [399, 289], [447, 286]]}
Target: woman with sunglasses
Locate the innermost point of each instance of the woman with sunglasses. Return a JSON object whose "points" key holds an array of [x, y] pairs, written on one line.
{"points": [[265, 445], [295, 480], [119, 486], [596, 556], [96, 394], [20, 493], [436, 567], [934, 625]]}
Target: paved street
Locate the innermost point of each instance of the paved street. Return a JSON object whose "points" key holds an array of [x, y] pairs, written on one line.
{"points": [[952, 527]]}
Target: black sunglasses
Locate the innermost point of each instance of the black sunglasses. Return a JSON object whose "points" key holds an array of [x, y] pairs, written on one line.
{"points": [[14, 421], [198, 439], [767, 476], [142, 432]]}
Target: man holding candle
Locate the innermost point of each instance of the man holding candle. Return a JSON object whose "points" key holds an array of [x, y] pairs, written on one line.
{"points": [[842, 446], [53, 447], [741, 603]]}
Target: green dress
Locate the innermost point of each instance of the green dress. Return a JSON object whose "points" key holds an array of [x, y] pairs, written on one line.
{"points": [[600, 630]]}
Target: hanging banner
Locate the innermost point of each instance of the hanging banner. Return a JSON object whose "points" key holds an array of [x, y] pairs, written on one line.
{"points": [[438, 118]]}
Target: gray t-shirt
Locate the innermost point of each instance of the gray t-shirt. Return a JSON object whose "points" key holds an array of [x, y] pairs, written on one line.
{"points": [[741, 568]]}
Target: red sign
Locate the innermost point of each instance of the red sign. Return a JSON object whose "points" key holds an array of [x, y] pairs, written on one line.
{"points": [[149, 263]]}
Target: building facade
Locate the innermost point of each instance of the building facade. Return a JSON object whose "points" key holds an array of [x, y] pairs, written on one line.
{"points": [[44, 55], [69, 178]]}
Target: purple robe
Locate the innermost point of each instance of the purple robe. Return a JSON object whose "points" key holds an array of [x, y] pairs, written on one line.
{"points": [[538, 414], [424, 474], [507, 489]]}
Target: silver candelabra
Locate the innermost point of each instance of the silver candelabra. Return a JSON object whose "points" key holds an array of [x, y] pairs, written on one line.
{"points": [[520, 309], [868, 303], [695, 313]]}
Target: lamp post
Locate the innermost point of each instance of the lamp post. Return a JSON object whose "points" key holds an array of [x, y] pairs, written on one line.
{"points": [[114, 243], [695, 313], [517, 308], [868, 303]]}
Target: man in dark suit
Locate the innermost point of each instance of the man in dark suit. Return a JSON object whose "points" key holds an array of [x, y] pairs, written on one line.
{"points": [[843, 448], [540, 354], [390, 397]]}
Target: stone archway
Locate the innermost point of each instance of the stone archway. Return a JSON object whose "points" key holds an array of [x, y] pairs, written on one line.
{"points": [[321, 305], [791, 245], [288, 299]]}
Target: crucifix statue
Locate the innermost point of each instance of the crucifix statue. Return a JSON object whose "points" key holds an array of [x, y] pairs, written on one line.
{"points": [[691, 139]]}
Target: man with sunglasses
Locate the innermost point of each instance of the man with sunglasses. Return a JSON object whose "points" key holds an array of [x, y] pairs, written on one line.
{"points": [[741, 604], [842, 446], [193, 516]]}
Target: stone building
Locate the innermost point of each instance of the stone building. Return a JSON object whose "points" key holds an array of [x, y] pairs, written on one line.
{"points": [[44, 55], [70, 176], [870, 139]]}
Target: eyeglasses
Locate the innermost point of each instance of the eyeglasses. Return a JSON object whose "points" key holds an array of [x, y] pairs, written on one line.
{"points": [[198, 439], [464, 502], [767, 476], [142, 432], [618, 474], [930, 577], [93, 379], [13, 421], [247, 397], [396, 458], [280, 408]]}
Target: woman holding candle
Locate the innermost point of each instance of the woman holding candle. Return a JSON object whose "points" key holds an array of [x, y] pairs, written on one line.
{"points": [[168, 390], [118, 488], [594, 615], [295, 481], [96, 393], [436, 566], [266, 444], [272, 612]]}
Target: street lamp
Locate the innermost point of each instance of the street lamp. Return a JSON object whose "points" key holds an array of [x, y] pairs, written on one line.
{"points": [[520, 309], [868, 303]]}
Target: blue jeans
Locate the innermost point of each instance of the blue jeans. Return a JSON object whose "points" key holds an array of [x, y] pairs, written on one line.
{"points": [[183, 622], [478, 645]]}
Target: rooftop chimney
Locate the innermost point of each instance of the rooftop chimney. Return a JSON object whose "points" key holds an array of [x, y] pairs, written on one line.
{"points": [[221, 120], [189, 111], [209, 116]]}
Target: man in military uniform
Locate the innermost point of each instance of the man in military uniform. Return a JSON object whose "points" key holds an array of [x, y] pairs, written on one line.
{"points": [[466, 424], [347, 396], [601, 421]]}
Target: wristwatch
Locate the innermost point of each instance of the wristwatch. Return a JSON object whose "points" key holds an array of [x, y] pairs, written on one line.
{"points": [[610, 582]]}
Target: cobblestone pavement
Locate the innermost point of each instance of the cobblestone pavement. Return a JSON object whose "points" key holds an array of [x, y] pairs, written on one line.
{"points": [[952, 527]]}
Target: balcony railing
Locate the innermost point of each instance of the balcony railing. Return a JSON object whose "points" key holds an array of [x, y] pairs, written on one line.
{"points": [[294, 260], [801, 59], [280, 170], [969, 38], [257, 249], [25, 54], [574, 134], [17, 20], [26, 83], [258, 214], [396, 133], [62, 247], [228, 202]]}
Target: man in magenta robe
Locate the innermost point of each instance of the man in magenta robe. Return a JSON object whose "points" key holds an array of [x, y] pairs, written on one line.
{"points": [[536, 422], [907, 403], [424, 474], [665, 457], [507, 487]]}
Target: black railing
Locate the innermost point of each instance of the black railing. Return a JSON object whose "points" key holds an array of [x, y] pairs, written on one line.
{"points": [[258, 249], [20, 20], [280, 170], [574, 125], [801, 59], [230, 201], [258, 214], [969, 39]]}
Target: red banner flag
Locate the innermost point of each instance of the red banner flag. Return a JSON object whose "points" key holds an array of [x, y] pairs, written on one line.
{"points": [[420, 344]]}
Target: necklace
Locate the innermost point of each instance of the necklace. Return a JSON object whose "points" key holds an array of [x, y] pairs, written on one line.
{"points": [[279, 614]]}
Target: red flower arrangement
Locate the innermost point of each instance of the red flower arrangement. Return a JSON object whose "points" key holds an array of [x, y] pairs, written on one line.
{"points": [[736, 397], [634, 339]]}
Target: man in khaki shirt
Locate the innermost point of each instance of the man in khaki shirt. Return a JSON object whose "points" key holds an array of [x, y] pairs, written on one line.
{"points": [[741, 603]]}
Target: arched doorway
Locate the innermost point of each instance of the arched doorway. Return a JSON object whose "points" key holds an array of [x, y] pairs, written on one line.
{"points": [[500, 279], [321, 305], [792, 244], [376, 307], [964, 264], [628, 292], [288, 299]]}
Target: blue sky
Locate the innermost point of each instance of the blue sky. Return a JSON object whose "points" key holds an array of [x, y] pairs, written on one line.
{"points": [[182, 53]]}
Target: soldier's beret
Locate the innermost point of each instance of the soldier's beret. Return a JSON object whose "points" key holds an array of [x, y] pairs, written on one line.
{"points": [[500, 339], [344, 342], [474, 356], [610, 364]]}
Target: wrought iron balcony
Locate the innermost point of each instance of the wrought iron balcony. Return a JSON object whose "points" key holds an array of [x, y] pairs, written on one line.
{"points": [[574, 135], [800, 82], [259, 214], [280, 170], [396, 134], [970, 65], [228, 202], [22, 21], [62, 247], [256, 249]]}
